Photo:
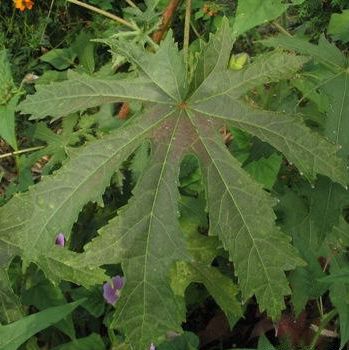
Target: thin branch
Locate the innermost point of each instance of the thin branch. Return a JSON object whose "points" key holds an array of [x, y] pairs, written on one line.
{"points": [[104, 13], [26, 150], [46, 23], [194, 29], [166, 20], [186, 31], [281, 29], [131, 3]]}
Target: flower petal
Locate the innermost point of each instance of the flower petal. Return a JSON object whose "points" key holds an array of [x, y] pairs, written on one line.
{"points": [[118, 282], [60, 240], [109, 294]]}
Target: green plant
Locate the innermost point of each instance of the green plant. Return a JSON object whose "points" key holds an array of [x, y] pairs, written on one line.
{"points": [[179, 117]]}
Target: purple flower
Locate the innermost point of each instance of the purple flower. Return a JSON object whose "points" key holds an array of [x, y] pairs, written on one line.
{"points": [[111, 291], [60, 240], [152, 347]]}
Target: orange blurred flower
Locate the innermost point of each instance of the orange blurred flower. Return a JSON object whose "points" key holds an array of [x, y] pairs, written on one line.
{"points": [[23, 4]]}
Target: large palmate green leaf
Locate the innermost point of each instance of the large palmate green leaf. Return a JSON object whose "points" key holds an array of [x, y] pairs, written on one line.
{"points": [[179, 117]]}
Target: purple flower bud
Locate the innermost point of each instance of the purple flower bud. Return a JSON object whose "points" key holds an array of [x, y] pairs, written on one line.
{"points": [[111, 291], [152, 347], [60, 240]]}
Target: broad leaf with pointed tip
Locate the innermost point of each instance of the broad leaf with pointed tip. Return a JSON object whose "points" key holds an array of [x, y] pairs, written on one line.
{"points": [[179, 118]]}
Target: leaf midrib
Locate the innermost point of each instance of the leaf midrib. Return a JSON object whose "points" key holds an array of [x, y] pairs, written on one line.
{"points": [[136, 137], [237, 207]]}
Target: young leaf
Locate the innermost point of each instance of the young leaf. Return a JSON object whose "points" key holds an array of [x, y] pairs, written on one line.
{"points": [[338, 26], [265, 170]]}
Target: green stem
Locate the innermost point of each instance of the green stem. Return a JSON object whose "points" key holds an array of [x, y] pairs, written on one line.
{"points": [[131, 3], [47, 17], [281, 29], [195, 30], [9, 29], [31, 149], [104, 13], [186, 31], [324, 321]]}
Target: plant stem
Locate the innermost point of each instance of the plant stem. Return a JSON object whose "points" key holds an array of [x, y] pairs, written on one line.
{"points": [[186, 31], [281, 29], [166, 20], [104, 13], [131, 3], [324, 321], [47, 17], [31, 149], [194, 29]]}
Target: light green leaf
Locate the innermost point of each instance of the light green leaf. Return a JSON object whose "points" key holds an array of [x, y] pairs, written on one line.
{"points": [[7, 86], [338, 26], [265, 170], [251, 13], [264, 344], [85, 50], [7, 122], [59, 58], [16, 333]]}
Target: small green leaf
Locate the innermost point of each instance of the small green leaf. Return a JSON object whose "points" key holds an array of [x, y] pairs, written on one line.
{"points": [[265, 170], [338, 27], [251, 13], [85, 51], [59, 58]]}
